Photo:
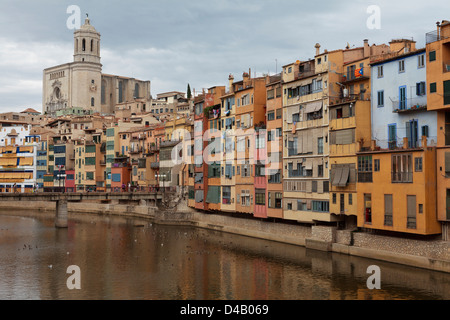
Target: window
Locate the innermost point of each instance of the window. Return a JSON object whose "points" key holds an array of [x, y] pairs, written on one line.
{"points": [[402, 168], [289, 206], [279, 113], [368, 208], [432, 56], [350, 198], [365, 169], [380, 98], [334, 198], [421, 61], [425, 131], [433, 87], [260, 197], [320, 145], [388, 205], [380, 71], [271, 116], [420, 88], [274, 176], [226, 195], [401, 66], [92, 102], [320, 206], [418, 164], [376, 164]]}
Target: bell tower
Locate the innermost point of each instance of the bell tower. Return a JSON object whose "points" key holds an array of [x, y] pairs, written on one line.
{"points": [[87, 43]]}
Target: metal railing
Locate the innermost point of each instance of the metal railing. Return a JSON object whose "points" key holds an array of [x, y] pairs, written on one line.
{"points": [[433, 36], [408, 105]]}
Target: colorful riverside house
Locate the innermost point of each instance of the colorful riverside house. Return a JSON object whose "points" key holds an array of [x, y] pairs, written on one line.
{"points": [[64, 157], [349, 128], [396, 176], [274, 161], [87, 165], [113, 146], [228, 141], [213, 161], [41, 164], [438, 99], [197, 191], [69, 184], [305, 140], [18, 159], [250, 96]]}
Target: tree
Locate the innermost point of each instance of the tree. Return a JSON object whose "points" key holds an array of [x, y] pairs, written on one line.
{"points": [[189, 94]]}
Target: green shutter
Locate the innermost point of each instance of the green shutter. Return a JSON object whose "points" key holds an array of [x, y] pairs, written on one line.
{"points": [[90, 161], [90, 149], [213, 195], [447, 92]]}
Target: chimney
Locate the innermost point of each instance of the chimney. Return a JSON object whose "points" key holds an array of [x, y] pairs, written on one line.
{"points": [[317, 46], [230, 82], [438, 24], [366, 48]]}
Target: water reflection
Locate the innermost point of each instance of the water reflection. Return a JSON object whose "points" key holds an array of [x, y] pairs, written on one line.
{"points": [[123, 258]]}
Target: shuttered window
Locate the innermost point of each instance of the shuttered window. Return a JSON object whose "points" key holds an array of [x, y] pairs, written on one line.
{"points": [[342, 136], [388, 209]]}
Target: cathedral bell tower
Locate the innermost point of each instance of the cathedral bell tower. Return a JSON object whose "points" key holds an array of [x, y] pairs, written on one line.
{"points": [[87, 43]]}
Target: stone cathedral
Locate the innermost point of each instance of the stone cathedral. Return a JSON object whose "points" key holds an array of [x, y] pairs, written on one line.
{"points": [[80, 87]]}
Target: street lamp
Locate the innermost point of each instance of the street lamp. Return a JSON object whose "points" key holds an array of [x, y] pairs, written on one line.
{"points": [[163, 176]]}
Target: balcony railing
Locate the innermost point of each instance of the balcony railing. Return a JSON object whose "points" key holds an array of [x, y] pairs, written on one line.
{"points": [[433, 36], [409, 105], [402, 177], [411, 222]]}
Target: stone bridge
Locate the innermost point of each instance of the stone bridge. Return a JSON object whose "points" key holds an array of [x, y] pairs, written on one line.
{"points": [[61, 200]]}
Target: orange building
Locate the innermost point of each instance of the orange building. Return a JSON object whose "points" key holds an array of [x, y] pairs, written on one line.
{"points": [[397, 189], [438, 99], [250, 97]]}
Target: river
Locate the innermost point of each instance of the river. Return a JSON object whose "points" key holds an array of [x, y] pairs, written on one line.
{"points": [[133, 259]]}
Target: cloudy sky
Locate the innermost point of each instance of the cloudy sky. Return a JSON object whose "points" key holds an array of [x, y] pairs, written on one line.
{"points": [[200, 42]]}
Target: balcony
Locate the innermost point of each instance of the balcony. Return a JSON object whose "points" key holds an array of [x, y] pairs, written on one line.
{"points": [[154, 165], [409, 105], [433, 36]]}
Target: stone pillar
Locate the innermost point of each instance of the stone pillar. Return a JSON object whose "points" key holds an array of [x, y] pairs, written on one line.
{"points": [[61, 213]]}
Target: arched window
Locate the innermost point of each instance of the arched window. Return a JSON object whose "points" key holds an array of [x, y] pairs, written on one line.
{"points": [[92, 101], [92, 45], [103, 92], [136, 90], [120, 92], [83, 45]]}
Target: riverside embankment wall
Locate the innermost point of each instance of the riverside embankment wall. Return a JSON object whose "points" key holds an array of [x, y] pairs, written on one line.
{"points": [[428, 254]]}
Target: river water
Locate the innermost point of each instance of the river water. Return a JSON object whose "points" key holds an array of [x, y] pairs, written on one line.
{"points": [[131, 259]]}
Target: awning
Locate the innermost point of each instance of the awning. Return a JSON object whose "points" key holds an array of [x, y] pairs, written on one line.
{"points": [[313, 106], [337, 176], [344, 177], [308, 164], [341, 174]]}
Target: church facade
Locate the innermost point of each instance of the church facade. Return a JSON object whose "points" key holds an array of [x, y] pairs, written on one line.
{"points": [[80, 87]]}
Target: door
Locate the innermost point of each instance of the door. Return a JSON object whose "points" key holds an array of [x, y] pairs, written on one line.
{"points": [[402, 98], [392, 136], [447, 92], [412, 133], [411, 212]]}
